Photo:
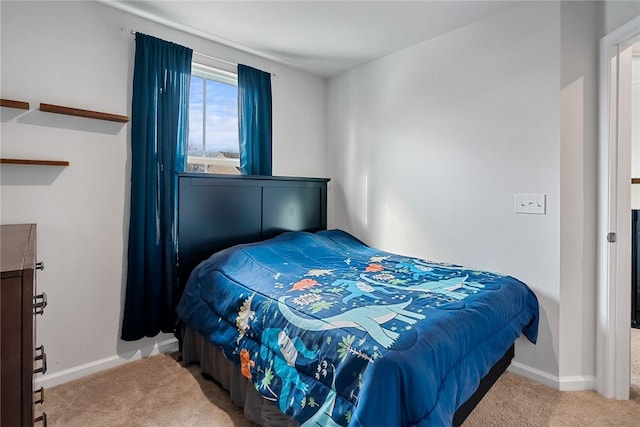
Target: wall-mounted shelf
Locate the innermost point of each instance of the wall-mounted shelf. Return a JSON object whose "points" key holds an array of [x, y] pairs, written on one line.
{"points": [[34, 162], [635, 180], [22, 105], [58, 109]]}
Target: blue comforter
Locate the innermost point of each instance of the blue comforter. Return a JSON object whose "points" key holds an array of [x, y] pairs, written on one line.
{"points": [[338, 333]]}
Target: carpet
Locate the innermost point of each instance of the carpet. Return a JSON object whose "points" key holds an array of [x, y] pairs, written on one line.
{"points": [[159, 391]]}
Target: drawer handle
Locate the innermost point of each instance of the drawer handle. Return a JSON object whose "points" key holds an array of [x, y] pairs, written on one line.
{"points": [[42, 418], [39, 303], [40, 401], [42, 356], [40, 265]]}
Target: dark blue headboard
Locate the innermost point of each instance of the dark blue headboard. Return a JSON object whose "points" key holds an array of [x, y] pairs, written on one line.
{"points": [[218, 211]]}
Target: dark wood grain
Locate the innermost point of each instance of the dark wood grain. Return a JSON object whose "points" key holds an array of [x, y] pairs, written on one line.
{"points": [[34, 162], [70, 111], [18, 261], [22, 105]]}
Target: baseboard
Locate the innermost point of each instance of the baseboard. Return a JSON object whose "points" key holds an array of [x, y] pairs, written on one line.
{"points": [[77, 372], [578, 383], [574, 383]]}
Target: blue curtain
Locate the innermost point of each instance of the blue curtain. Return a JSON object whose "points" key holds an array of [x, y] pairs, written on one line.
{"points": [[159, 124], [254, 120]]}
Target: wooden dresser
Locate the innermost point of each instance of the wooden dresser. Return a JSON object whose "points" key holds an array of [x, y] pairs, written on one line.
{"points": [[18, 307]]}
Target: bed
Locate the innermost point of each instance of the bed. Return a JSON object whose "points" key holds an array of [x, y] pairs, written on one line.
{"points": [[312, 327]]}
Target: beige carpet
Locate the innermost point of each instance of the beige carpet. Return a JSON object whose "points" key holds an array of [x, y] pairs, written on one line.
{"points": [[635, 358], [158, 391]]}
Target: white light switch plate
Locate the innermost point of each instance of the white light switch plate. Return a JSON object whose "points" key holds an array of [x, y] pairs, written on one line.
{"points": [[531, 204]]}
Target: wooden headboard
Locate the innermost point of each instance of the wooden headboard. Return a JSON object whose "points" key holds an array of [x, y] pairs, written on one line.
{"points": [[218, 211]]}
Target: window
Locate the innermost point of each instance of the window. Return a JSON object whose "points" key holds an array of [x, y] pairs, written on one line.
{"points": [[213, 145]]}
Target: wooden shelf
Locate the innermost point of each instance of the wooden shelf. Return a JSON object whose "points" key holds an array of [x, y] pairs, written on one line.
{"points": [[34, 162], [49, 108], [22, 105], [635, 180]]}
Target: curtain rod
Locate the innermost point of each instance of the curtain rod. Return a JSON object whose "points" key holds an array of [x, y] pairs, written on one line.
{"points": [[213, 58]]}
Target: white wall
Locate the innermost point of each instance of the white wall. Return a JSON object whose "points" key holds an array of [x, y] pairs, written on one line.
{"points": [[635, 116], [74, 54], [581, 29], [618, 13], [635, 130], [428, 146]]}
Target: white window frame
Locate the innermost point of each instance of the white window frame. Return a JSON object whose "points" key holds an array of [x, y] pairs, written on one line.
{"points": [[222, 76]]}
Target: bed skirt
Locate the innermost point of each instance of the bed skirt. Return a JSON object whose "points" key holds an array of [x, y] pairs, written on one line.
{"points": [[196, 349], [257, 409]]}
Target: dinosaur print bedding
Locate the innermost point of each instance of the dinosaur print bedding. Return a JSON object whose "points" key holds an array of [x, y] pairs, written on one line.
{"points": [[337, 333]]}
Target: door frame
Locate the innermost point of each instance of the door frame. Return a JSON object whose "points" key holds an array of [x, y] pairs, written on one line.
{"points": [[614, 216]]}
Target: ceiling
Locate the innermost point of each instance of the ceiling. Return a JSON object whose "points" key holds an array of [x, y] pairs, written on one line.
{"points": [[322, 37]]}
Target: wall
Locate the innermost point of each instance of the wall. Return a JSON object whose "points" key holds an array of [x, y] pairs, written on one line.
{"points": [[581, 29], [75, 54], [619, 12], [635, 132], [428, 146]]}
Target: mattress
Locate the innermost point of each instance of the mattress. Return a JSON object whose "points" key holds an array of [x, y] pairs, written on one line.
{"points": [[334, 332]]}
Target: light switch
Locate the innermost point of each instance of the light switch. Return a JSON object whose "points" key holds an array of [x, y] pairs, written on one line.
{"points": [[531, 204]]}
